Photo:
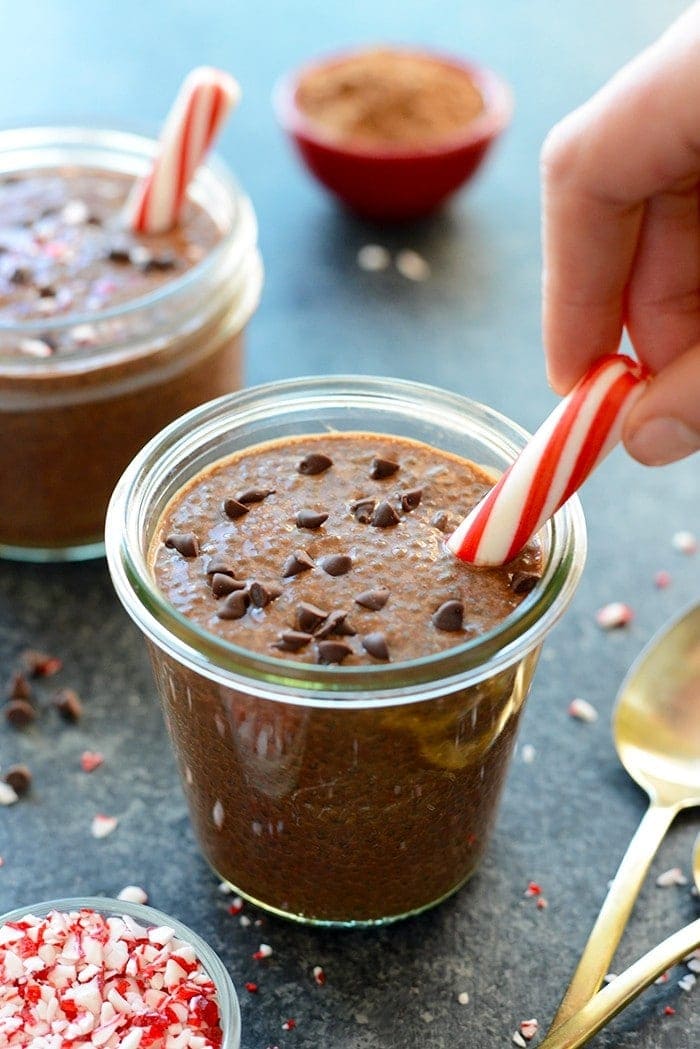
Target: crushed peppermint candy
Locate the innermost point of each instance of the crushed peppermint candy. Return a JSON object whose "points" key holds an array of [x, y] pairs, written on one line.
{"points": [[103, 825], [8, 794], [673, 876], [662, 579], [133, 894], [244, 921], [519, 1040], [528, 753], [83, 978], [91, 760], [263, 951], [528, 1029], [687, 982], [582, 710], [373, 258], [669, 1010], [289, 1024], [463, 997], [664, 978], [613, 615], [236, 905], [533, 889], [412, 266], [693, 962], [319, 975], [684, 542]]}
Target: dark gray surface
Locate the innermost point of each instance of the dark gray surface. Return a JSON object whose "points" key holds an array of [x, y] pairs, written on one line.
{"points": [[474, 328]]}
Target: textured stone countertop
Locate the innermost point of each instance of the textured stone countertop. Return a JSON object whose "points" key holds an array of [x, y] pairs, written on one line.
{"points": [[473, 327]]}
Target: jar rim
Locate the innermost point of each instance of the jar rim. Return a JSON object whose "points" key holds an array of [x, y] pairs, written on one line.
{"points": [[213, 174], [306, 684]]}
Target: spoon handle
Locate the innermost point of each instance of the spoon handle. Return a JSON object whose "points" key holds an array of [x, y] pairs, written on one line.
{"points": [[614, 914], [607, 1003]]}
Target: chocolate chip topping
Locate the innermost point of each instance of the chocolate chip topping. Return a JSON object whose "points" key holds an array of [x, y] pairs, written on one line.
{"points": [[68, 703], [292, 640], [310, 519], [254, 495], [309, 617], [217, 566], [376, 645], [19, 778], [449, 616], [335, 624], [19, 687], [296, 563], [523, 582], [336, 564], [411, 499], [261, 594], [382, 468], [363, 509], [235, 606], [384, 515], [21, 275], [221, 584], [314, 463], [332, 651], [158, 263], [373, 599], [19, 712], [234, 509], [119, 253], [441, 521], [184, 542]]}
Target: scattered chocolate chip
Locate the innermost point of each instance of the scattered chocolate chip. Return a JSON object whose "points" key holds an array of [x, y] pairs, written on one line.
{"points": [[119, 253], [19, 778], [449, 616], [376, 645], [19, 713], [234, 509], [310, 519], [296, 563], [254, 495], [158, 263], [382, 468], [46, 291], [261, 594], [21, 275], [363, 510], [40, 664], [336, 564], [292, 640], [217, 566], [185, 543], [309, 617], [441, 521], [68, 704], [234, 606], [373, 599], [523, 582], [335, 624], [314, 463], [332, 651], [384, 515], [411, 499], [19, 687], [221, 584], [93, 220]]}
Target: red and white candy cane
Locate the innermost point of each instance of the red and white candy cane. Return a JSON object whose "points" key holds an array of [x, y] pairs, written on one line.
{"points": [[553, 465], [202, 104]]}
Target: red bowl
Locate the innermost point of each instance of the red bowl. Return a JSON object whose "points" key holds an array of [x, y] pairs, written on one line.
{"points": [[394, 182]]}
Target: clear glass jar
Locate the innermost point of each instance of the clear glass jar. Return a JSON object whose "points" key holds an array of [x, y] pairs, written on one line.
{"points": [[337, 795], [227, 1000], [70, 423]]}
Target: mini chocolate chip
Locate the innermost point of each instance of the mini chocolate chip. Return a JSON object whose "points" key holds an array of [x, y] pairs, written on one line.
{"points": [[449, 616], [376, 645], [384, 515], [19, 687], [159, 263], [291, 640], [254, 495], [21, 275], [373, 599], [363, 509], [382, 468], [68, 704], [217, 566], [19, 712], [119, 253], [309, 617], [335, 624], [234, 509], [221, 584], [441, 521], [93, 220], [411, 499], [184, 542], [46, 291], [314, 463], [310, 519], [234, 606], [296, 563], [19, 778], [336, 564], [261, 594], [523, 582], [332, 651]]}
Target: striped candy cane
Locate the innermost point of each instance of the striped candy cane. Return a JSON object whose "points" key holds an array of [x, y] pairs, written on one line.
{"points": [[553, 465], [203, 102]]}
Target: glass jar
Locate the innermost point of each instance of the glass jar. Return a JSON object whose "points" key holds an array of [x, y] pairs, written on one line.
{"points": [[337, 795], [71, 422], [227, 1000]]}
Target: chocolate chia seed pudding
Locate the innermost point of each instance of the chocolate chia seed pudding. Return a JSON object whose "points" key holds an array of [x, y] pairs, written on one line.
{"points": [[105, 336], [343, 695]]}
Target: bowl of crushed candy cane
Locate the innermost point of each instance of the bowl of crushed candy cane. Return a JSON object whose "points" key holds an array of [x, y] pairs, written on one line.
{"points": [[111, 974]]}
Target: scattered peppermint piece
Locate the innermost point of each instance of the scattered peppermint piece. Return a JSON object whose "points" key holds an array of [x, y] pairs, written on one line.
{"points": [[615, 614], [236, 906], [519, 1040], [412, 266], [609, 977], [319, 975], [263, 951], [662, 579], [133, 894], [684, 542], [91, 760], [373, 258], [528, 1029], [541, 904], [528, 753], [582, 710], [251, 988], [463, 997], [289, 1024], [533, 889], [673, 876], [103, 825], [687, 982], [669, 1010], [224, 888], [8, 795], [664, 978], [244, 921], [693, 963]]}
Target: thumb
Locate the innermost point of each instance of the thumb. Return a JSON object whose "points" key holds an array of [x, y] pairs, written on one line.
{"points": [[664, 424]]}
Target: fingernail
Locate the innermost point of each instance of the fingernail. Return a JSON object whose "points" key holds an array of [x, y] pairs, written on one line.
{"points": [[660, 441]]}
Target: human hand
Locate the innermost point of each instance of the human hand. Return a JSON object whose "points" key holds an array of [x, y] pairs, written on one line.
{"points": [[621, 238]]}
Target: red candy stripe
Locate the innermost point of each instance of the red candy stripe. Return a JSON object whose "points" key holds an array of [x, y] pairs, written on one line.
{"points": [[204, 101], [553, 465]]}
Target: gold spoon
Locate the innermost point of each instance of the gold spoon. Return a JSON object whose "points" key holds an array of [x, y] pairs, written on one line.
{"points": [[577, 1030], [656, 728]]}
